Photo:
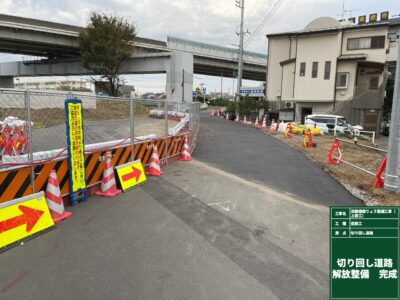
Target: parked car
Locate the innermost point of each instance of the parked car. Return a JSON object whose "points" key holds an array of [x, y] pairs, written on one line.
{"points": [[327, 123]]}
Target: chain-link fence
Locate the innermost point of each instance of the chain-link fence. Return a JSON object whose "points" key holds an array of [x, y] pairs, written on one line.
{"points": [[33, 122]]}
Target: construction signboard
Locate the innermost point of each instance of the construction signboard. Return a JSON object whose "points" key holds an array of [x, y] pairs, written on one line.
{"points": [[364, 260], [23, 217], [76, 149], [131, 174]]}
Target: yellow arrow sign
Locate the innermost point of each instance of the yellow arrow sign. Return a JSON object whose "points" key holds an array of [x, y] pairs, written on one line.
{"points": [[130, 174], [23, 217]]}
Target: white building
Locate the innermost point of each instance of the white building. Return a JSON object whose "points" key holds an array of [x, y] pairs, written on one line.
{"points": [[333, 66], [66, 85]]}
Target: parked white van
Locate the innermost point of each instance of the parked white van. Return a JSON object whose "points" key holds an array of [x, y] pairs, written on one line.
{"points": [[327, 123]]}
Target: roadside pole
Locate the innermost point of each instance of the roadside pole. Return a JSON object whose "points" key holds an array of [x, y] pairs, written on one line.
{"points": [[392, 181], [30, 145], [334, 130], [166, 132], [240, 4], [132, 127]]}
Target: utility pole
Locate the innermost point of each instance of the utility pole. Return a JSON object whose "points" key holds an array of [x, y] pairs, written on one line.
{"points": [[183, 85], [392, 179], [240, 4], [222, 75]]}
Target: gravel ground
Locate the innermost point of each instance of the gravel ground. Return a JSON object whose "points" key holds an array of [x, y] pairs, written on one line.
{"points": [[355, 181]]}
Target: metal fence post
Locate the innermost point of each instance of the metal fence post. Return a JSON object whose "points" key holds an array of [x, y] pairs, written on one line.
{"points": [[132, 127], [30, 150], [166, 132]]}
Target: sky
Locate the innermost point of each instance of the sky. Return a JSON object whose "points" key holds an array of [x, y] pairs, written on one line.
{"points": [[209, 21]]}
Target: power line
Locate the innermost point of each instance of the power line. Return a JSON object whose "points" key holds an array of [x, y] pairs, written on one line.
{"points": [[266, 18]]}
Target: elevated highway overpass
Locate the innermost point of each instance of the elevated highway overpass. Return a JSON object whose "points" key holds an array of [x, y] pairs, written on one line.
{"points": [[58, 44]]}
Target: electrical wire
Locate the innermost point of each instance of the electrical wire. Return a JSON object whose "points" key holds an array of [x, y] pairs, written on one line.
{"points": [[261, 25]]}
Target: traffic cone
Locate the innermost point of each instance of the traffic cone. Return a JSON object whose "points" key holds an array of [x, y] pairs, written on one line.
{"points": [[335, 146], [288, 131], [154, 168], [237, 118], [264, 123], [108, 186], [257, 124], [379, 183], [185, 156], [307, 140], [54, 200]]}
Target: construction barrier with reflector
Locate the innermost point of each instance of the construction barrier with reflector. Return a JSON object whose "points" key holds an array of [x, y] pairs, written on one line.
{"points": [[23, 217], [16, 182], [130, 174]]}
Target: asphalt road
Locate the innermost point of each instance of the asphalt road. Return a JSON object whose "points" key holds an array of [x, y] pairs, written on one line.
{"points": [[204, 230], [247, 152]]}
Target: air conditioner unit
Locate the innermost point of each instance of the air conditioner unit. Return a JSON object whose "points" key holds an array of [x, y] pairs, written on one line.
{"points": [[289, 104]]}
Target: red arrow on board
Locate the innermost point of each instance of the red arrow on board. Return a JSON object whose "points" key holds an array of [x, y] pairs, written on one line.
{"points": [[29, 216], [134, 174]]}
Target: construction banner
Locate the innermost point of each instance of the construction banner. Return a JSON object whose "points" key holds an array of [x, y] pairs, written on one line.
{"points": [[130, 174], [23, 217], [76, 149]]}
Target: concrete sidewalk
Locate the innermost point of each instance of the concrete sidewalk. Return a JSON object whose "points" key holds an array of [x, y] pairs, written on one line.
{"points": [[127, 247], [195, 233]]}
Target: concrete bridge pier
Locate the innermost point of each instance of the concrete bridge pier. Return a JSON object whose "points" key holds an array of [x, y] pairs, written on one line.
{"points": [[7, 82], [180, 77]]}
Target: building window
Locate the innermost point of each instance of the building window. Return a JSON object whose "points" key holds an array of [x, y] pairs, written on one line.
{"points": [[314, 73], [392, 37], [341, 80], [374, 42], [302, 69], [374, 83], [327, 73]]}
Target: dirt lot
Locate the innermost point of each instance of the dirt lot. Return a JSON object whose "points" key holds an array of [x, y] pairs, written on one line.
{"points": [[105, 110], [356, 181]]}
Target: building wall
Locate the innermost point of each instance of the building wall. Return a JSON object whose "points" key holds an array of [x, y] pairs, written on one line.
{"points": [[377, 55], [392, 55], [316, 48], [349, 67], [317, 108], [278, 51], [288, 81]]}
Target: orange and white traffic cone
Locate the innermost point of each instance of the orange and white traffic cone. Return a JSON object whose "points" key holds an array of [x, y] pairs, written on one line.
{"points": [[257, 123], [108, 186], [54, 200], [154, 168], [185, 155], [264, 123]]}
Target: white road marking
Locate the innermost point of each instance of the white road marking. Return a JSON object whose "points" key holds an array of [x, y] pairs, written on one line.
{"points": [[267, 189], [219, 204]]}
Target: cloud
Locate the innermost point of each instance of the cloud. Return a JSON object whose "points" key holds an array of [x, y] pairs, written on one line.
{"points": [[210, 21]]}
